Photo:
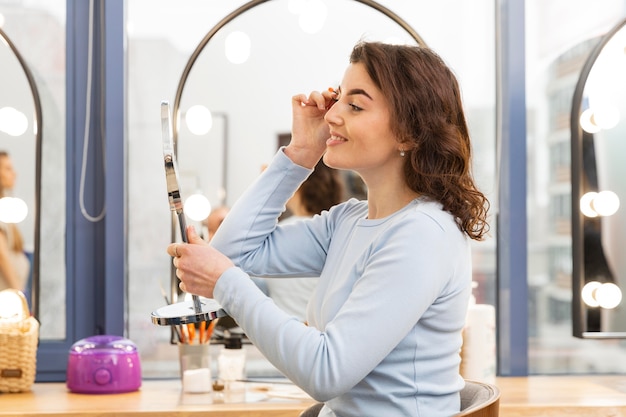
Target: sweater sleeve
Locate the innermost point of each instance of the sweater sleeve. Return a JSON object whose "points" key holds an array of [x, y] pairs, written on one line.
{"points": [[252, 238]]}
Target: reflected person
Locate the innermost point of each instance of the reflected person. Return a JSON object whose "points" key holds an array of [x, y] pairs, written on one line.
{"points": [[385, 322], [14, 264]]}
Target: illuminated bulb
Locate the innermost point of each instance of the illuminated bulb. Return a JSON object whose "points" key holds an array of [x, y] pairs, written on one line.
{"points": [[606, 117], [313, 16], [605, 203], [587, 122], [586, 204], [11, 305], [588, 293], [237, 47], [608, 295], [12, 210], [197, 207], [199, 119], [13, 122]]}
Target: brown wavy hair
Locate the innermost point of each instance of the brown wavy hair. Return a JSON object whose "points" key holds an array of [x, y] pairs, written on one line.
{"points": [[427, 116], [322, 189]]}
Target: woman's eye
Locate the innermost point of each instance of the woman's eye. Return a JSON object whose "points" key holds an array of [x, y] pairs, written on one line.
{"points": [[355, 107]]}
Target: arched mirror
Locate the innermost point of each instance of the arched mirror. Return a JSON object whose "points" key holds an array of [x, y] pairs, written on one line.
{"points": [[598, 133], [20, 138], [242, 75], [34, 78]]}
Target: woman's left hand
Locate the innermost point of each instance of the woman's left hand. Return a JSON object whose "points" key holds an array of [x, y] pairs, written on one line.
{"points": [[198, 265], [309, 130]]}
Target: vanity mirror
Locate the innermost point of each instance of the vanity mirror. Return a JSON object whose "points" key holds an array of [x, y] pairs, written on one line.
{"points": [[20, 137], [598, 140], [233, 99]]}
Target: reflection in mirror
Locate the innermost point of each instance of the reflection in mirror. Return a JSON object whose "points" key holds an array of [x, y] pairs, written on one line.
{"points": [[20, 173], [37, 31], [241, 76], [598, 127]]}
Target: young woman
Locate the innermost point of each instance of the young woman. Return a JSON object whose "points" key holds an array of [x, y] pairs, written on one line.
{"points": [[384, 324], [14, 264]]}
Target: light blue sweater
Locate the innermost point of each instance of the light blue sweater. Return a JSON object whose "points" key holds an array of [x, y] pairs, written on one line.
{"points": [[385, 321]]}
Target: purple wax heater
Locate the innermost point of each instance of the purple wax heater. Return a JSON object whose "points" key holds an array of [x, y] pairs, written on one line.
{"points": [[103, 364]]}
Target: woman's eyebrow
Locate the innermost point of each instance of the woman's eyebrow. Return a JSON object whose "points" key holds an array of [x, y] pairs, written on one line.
{"points": [[358, 91]]}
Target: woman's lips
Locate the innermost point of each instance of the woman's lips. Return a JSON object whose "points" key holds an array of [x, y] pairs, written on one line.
{"points": [[335, 139]]}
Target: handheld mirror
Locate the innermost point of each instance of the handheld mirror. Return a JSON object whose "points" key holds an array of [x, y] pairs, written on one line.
{"points": [[195, 310]]}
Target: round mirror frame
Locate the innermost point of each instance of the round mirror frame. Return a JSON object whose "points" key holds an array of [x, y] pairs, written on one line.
{"points": [[580, 313], [34, 291]]}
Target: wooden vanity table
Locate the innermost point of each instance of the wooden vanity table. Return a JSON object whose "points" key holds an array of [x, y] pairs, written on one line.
{"points": [[563, 396], [537, 396], [156, 398]]}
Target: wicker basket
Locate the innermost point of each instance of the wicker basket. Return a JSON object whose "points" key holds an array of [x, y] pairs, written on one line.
{"points": [[18, 350]]}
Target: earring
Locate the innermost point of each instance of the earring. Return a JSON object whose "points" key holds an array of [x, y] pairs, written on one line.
{"points": [[402, 153]]}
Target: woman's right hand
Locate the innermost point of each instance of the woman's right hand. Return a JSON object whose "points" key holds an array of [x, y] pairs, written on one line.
{"points": [[309, 130], [198, 265]]}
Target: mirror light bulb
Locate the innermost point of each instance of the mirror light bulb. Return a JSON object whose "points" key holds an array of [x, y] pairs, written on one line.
{"points": [[588, 293], [596, 294], [13, 122], [197, 207], [606, 117], [608, 295], [587, 122], [199, 119], [313, 16], [11, 305], [12, 210], [586, 204], [605, 203], [237, 47]]}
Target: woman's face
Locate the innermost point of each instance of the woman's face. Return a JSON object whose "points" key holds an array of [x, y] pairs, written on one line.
{"points": [[7, 173], [361, 137]]}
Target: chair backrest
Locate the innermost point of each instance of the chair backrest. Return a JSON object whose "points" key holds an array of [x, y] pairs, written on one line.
{"points": [[479, 399], [312, 411]]}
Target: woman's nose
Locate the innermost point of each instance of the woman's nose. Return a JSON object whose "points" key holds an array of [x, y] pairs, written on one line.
{"points": [[333, 115]]}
